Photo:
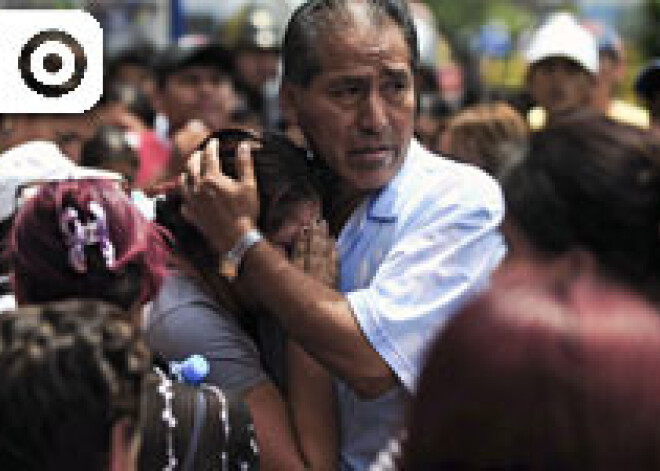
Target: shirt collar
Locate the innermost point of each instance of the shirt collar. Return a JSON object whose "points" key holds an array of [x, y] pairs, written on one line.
{"points": [[382, 206]]}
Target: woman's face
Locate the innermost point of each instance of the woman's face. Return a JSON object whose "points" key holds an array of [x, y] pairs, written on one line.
{"points": [[299, 216]]}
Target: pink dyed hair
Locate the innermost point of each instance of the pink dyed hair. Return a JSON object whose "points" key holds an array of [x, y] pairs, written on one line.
{"points": [[39, 257]]}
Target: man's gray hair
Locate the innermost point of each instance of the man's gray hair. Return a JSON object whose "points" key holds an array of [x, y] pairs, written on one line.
{"points": [[315, 18]]}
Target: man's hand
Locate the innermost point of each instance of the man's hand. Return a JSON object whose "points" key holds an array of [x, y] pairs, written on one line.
{"points": [[188, 138], [315, 253], [222, 208]]}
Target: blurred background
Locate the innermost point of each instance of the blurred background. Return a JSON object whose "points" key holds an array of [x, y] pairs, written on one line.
{"points": [[472, 45]]}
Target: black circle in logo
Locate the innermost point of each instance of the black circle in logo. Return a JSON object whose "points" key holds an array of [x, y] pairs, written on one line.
{"points": [[52, 63]]}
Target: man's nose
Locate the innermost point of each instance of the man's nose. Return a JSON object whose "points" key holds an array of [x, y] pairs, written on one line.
{"points": [[373, 113]]}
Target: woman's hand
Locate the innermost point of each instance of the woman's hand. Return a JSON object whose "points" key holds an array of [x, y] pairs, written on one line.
{"points": [[314, 252]]}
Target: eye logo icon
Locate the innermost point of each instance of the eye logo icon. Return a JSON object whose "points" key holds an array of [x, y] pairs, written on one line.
{"points": [[57, 64], [52, 63]]}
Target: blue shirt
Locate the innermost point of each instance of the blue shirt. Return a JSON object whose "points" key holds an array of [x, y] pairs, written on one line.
{"points": [[410, 257]]}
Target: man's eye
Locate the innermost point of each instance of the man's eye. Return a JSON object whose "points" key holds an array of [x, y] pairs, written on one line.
{"points": [[396, 85], [345, 91], [394, 89]]}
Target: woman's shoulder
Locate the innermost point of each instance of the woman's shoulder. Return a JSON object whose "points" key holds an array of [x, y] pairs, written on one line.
{"points": [[182, 297]]}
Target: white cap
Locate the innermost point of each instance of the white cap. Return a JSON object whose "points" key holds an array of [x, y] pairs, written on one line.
{"points": [[562, 36], [35, 161]]}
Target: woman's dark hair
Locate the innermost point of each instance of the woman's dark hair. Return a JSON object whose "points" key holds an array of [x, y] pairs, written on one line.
{"points": [[40, 257], [108, 144], [315, 18], [284, 177], [519, 381], [70, 371], [200, 436], [593, 184]]}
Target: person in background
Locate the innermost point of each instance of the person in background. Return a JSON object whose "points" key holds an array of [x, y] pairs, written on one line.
{"points": [[85, 239], [553, 367], [562, 69], [418, 234], [492, 136], [110, 149], [126, 107], [213, 429], [433, 113], [22, 165], [647, 87], [66, 132], [611, 72], [254, 36], [195, 93], [133, 67], [71, 391]]}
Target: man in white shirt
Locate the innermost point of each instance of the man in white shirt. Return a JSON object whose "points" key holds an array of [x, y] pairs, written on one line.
{"points": [[418, 234]]}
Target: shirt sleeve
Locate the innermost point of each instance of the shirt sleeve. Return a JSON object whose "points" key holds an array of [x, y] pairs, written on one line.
{"points": [[202, 328], [425, 278]]}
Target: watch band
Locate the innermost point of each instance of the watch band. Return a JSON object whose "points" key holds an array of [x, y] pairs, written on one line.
{"points": [[231, 261]]}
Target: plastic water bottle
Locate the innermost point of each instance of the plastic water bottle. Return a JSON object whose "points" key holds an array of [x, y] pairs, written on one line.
{"points": [[191, 371]]}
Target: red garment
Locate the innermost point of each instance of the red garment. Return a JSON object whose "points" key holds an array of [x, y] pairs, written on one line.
{"points": [[154, 155]]}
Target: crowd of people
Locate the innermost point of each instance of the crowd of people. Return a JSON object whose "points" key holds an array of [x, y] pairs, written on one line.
{"points": [[194, 279]]}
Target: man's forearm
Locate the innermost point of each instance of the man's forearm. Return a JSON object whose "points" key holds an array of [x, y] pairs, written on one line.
{"points": [[318, 318]]}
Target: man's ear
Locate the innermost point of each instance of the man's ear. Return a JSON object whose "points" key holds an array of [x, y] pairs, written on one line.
{"points": [[123, 447], [288, 102]]}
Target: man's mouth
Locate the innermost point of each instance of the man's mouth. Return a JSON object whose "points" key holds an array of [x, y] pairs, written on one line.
{"points": [[370, 158]]}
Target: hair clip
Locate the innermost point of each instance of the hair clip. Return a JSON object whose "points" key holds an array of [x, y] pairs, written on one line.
{"points": [[78, 235]]}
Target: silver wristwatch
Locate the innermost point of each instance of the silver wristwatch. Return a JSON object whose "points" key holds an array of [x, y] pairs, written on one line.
{"points": [[231, 261]]}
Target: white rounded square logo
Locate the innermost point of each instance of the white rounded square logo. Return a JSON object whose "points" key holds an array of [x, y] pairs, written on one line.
{"points": [[51, 61]]}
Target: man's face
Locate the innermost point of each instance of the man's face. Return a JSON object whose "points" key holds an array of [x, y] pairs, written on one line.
{"points": [[560, 85], [610, 71], [198, 92], [67, 131], [358, 112], [138, 76]]}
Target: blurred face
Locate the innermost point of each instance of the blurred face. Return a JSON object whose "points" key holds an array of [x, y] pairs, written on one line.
{"points": [[71, 131], [138, 75], [256, 67], [610, 72], [198, 92], [358, 112], [560, 85], [67, 131]]}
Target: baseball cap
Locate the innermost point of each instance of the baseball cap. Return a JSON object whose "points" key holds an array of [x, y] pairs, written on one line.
{"points": [[37, 161], [562, 36], [193, 49], [648, 79]]}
